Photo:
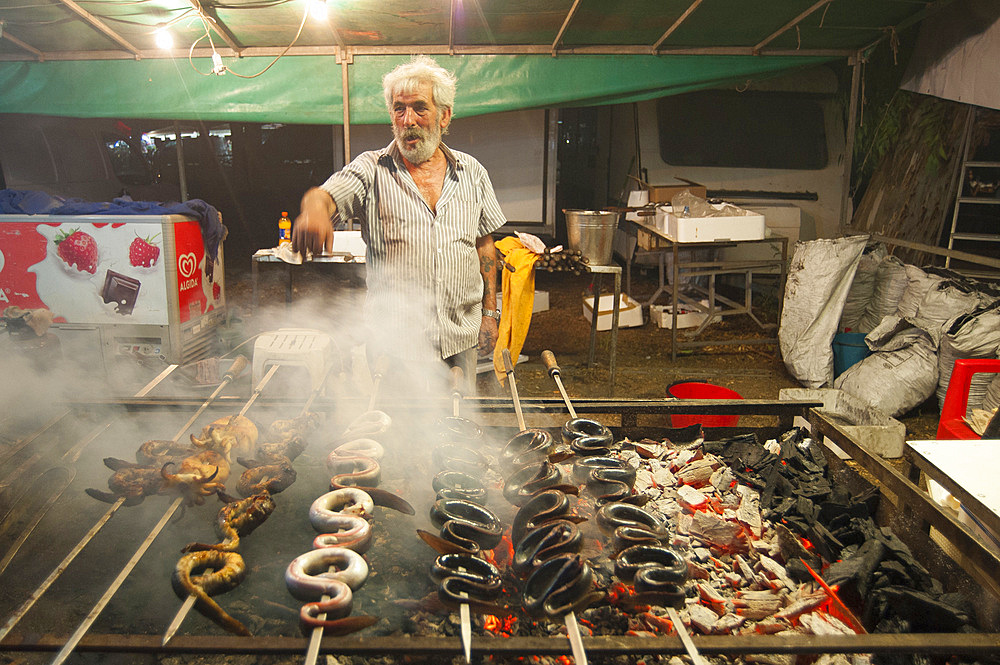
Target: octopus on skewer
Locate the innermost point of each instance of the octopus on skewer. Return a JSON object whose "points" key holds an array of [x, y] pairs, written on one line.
{"points": [[229, 434], [292, 428], [157, 452], [199, 475], [133, 481]]}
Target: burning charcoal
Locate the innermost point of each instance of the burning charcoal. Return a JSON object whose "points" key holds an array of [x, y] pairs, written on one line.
{"points": [[665, 507], [820, 623], [774, 570], [733, 580], [771, 627], [748, 513], [702, 554], [698, 572], [744, 569], [802, 605], [726, 535], [698, 473], [702, 618], [657, 476], [680, 541], [691, 498], [791, 547], [710, 596], [852, 575], [682, 459], [722, 479], [684, 523], [728, 624]]}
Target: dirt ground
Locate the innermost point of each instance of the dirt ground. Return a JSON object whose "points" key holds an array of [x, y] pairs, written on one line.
{"points": [[644, 366]]}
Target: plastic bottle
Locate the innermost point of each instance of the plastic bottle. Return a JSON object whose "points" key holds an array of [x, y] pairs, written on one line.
{"points": [[284, 229]]}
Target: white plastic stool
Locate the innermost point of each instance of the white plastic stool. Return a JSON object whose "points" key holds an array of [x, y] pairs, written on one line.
{"points": [[301, 347]]}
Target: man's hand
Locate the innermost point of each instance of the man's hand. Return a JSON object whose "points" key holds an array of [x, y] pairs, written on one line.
{"points": [[488, 333], [313, 230]]}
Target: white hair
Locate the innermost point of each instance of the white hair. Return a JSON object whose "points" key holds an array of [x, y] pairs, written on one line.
{"points": [[406, 78]]}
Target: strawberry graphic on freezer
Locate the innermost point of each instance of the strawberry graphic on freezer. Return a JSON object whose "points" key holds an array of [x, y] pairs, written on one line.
{"points": [[102, 269]]}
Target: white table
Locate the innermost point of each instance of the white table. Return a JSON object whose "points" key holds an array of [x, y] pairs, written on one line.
{"points": [[968, 470]]}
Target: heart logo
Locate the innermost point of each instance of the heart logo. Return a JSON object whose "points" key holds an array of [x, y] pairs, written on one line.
{"points": [[186, 264]]}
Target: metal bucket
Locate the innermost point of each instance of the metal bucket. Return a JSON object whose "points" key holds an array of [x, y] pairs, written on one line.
{"points": [[593, 233]]}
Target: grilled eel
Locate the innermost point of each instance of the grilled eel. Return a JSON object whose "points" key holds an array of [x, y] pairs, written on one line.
{"points": [[239, 517], [219, 572]]}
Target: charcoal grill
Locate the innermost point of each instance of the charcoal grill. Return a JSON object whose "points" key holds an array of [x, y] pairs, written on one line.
{"points": [[136, 617]]}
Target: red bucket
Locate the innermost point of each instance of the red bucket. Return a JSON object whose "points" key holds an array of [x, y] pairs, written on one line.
{"points": [[697, 390]]}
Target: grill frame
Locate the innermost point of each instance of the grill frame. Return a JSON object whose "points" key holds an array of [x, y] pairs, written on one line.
{"points": [[908, 506]]}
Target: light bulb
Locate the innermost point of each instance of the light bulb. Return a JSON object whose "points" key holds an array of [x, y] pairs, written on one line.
{"points": [[318, 10], [164, 39]]}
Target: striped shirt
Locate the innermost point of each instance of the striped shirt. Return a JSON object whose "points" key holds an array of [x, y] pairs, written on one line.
{"points": [[424, 279]]}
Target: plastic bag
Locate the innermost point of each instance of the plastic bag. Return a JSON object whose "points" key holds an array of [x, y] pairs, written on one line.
{"points": [[819, 278]]}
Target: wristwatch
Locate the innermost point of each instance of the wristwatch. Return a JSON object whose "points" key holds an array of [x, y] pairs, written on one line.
{"points": [[492, 313]]}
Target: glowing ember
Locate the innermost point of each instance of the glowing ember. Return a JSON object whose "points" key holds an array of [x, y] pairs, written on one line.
{"points": [[500, 626]]}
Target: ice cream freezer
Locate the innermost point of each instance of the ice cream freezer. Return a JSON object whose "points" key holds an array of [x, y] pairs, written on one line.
{"points": [[135, 286]]}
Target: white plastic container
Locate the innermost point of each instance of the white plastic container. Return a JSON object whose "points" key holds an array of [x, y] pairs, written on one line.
{"points": [[709, 229]]}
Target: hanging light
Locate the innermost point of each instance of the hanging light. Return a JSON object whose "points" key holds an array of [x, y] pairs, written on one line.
{"points": [[164, 39], [318, 10]]}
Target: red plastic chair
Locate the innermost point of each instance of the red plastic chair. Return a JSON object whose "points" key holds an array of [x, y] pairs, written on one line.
{"points": [[956, 400]]}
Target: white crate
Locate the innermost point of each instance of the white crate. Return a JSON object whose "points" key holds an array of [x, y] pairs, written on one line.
{"points": [[629, 311], [708, 229]]}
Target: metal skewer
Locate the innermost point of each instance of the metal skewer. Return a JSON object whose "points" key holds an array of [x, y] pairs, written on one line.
{"points": [[189, 602], [316, 637], [75, 638], [572, 628], [549, 359], [509, 369], [464, 613], [692, 650], [54, 575]]}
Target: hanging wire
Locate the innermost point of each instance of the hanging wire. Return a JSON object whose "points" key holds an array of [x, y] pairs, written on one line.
{"points": [[219, 68]]}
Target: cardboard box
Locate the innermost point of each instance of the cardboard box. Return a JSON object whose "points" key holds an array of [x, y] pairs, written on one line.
{"points": [[662, 316], [665, 193], [540, 303], [629, 311], [708, 229]]}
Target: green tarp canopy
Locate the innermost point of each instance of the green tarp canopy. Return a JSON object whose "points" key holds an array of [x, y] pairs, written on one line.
{"points": [[307, 89], [100, 59]]}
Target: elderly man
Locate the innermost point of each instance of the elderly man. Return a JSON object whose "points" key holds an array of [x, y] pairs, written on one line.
{"points": [[426, 215]]}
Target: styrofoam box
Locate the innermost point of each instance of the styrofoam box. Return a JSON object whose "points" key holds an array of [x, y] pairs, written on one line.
{"points": [[662, 316], [871, 428], [629, 311], [540, 303], [708, 229]]}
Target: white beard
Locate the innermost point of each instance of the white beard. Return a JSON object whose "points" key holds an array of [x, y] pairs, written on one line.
{"points": [[426, 145]]}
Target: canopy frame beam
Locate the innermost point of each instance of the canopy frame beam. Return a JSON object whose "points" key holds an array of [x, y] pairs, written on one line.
{"points": [[102, 27]]}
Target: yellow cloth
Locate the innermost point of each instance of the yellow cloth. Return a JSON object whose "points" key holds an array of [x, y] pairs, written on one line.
{"points": [[518, 301]]}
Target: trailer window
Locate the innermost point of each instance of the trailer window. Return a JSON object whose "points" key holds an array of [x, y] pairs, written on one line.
{"points": [[742, 130], [127, 160]]}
